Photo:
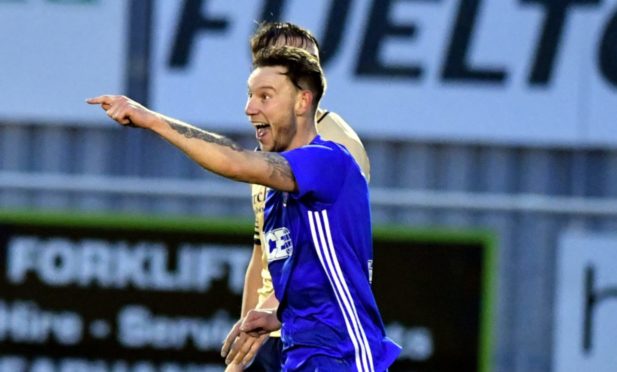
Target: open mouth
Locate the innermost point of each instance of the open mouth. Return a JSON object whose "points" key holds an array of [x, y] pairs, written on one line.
{"points": [[261, 129]]}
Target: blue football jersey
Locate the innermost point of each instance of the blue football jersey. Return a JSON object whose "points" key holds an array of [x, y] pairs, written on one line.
{"points": [[319, 246]]}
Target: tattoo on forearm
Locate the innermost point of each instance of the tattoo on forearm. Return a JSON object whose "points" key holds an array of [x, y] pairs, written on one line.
{"points": [[278, 165], [190, 132]]}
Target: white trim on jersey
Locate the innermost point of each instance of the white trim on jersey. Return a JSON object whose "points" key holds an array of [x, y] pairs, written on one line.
{"points": [[322, 239], [346, 288]]}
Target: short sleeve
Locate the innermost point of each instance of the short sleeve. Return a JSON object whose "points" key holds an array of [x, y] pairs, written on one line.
{"points": [[319, 170]]}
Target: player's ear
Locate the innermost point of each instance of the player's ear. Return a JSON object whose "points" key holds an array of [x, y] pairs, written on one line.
{"points": [[304, 102]]}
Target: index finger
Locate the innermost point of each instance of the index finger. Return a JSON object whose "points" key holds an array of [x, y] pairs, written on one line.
{"points": [[99, 100]]}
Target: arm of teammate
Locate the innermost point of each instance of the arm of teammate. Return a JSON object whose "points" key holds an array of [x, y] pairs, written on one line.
{"points": [[246, 345], [236, 340], [249, 343], [210, 150], [252, 280], [269, 302]]}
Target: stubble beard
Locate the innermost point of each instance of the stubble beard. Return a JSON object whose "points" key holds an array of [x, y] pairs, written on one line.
{"points": [[285, 137]]}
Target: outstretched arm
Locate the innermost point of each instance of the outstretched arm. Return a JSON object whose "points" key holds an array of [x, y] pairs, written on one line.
{"points": [[213, 152]]}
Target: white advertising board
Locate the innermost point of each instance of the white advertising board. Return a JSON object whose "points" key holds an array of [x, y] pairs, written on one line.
{"points": [[516, 72], [55, 54], [585, 327]]}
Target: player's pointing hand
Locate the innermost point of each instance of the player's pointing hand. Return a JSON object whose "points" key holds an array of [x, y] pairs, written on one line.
{"points": [[124, 110]]}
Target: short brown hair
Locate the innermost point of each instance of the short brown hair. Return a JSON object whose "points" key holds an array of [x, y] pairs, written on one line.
{"points": [[303, 69], [268, 33]]}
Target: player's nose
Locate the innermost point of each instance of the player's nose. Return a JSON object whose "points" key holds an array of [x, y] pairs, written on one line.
{"points": [[250, 108]]}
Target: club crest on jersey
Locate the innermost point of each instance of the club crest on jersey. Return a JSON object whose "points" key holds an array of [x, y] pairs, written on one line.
{"points": [[279, 244]]}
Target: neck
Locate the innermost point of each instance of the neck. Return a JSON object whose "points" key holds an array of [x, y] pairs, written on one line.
{"points": [[306, 132]]}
